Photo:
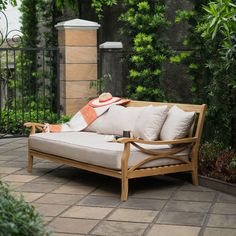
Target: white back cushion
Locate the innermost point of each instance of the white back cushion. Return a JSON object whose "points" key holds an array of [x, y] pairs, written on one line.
{"points": [[150, 121], [116, 120], [177, 124]]}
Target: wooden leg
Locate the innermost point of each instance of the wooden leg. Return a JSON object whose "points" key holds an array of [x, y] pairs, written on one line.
{"points": [[30, 162], [124, 173], [195, 177], [124, 189]]}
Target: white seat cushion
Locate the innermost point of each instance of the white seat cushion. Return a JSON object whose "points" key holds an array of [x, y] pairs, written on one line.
{"points": [[89, 147]]}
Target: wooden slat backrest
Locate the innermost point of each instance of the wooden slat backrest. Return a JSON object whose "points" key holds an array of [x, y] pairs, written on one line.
{"points": [[185, 107], [199, 109]]}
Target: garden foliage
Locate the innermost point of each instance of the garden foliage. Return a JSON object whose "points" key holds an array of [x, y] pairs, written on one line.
{"points": [[211, 64], [216, 161], [3, 3], [98, 5], [143, 24], [18, 218], [219, 25], [12, 120]]}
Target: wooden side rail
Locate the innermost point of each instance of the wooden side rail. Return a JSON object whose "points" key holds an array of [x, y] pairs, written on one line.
{"points": [[136, 170], [169, 142]]}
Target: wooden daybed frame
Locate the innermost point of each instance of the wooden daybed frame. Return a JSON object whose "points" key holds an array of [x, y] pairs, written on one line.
{"points": [[193, 141]]}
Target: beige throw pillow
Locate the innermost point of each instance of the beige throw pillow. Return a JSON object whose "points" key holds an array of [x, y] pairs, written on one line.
{"points": [[177, 124], [149, 123], [116, 120]]}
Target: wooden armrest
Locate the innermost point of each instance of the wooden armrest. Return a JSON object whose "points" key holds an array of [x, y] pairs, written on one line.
{"points": [[34, 126], [176, 141]]}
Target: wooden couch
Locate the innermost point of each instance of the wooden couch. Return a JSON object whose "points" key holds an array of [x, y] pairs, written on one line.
{"points": [[140, 168]]}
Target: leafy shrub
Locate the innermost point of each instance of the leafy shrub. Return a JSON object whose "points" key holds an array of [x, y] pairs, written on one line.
{"points": [[217, 162], [208, 154], [12, 122], [218, 28], [211, 64], [232, 164], [18, 218]]}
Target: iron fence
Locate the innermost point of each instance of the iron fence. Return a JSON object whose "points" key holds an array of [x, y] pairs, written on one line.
{"points": [[29, 88]]}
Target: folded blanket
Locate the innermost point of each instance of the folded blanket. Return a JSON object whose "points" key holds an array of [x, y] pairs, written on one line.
{"points": [[83, 118]]}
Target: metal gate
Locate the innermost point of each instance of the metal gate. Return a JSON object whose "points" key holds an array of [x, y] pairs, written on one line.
{"points": [[29, 86]]}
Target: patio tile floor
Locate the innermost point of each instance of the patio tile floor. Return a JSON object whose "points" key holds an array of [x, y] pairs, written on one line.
{"points": [[76, 202]]}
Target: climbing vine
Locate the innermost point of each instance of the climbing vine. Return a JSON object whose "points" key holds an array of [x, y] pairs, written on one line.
{"points": [[143, 22], [211, 64]]}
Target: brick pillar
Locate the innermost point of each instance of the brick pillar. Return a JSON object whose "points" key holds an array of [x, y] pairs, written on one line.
{"points": [[77, 41]]}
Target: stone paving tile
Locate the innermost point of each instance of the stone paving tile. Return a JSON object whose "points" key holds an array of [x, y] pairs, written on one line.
{"points": [[74, 189], [173, 230], [89, 180], [23, 141], [83, 181], [29, 197], [19, 178], [8, 170], [219, 232], [16, 164], [38, 172], [49, 209], [47, 165], [145, 204], [224, 208], [188, 206], [133, 215], [5, 141], [15, 185], [7, 157], [62, 234], [182, 218], [14, 145], [87, 212], [155, 183], [99, 201], [4, 149], [50, 178], [111, 188], [37, 187], [191, 187], [47, 219], [15, 153], [106, 191], [120, 228], [153, 193], [69, 225], [194, 196], [61, 173], [223, 197], [65, 199], [222, 221]]}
